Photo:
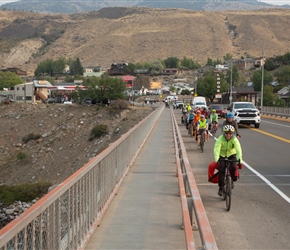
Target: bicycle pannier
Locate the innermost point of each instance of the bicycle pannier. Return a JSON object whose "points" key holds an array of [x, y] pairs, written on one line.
{"points": [[213, 175]]}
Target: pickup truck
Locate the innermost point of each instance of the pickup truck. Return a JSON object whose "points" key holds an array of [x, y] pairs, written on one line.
{"points": [[246, 113]]}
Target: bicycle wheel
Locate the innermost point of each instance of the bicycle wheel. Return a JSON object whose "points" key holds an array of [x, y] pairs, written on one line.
{"points": [[213, 130], [228, 192], [202, 142], [190, 129]]}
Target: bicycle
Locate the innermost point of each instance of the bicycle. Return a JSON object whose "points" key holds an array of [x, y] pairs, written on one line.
{"points": [[202, 139], [214, 126], [227, 194], [191, 129]]}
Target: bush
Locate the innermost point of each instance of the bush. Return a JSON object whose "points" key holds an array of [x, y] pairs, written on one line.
{"points": [[120, 104], [24, 192], [117, 106], [30, 137], [21, 155], [98, 131]]}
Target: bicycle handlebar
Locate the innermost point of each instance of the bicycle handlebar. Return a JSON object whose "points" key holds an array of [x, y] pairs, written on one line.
{"points": [[228, 160]]}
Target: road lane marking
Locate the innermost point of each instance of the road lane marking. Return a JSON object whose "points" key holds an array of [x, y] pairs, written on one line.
{"points": [[277, 124], [271, 135], [277, 190]]}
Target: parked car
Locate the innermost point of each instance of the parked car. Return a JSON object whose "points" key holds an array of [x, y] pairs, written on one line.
{"points": [[246, 113], [220, 110], [50, 100]]}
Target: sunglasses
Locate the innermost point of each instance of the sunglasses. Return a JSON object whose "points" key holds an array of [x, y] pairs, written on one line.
{"points": [[228, 133]]}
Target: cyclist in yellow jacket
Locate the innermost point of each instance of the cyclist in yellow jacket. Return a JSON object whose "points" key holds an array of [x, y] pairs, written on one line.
{"points": [[227, 146], [202, 127]]}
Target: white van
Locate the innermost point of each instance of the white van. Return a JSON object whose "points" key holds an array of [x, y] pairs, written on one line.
{"points": [[199, 101]]}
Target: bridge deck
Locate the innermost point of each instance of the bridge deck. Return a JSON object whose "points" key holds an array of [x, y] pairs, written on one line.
{"points": [[146, 212]]}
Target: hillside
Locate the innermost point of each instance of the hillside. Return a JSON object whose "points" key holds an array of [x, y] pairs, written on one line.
{"points": [[63, 145], [140, 34]]}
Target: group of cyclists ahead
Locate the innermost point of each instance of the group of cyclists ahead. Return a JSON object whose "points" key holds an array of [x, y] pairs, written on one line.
{"points": [[227, 145], [200, 120]]}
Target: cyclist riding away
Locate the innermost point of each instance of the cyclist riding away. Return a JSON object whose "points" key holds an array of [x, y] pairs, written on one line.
{"points": [[190, 118], [230, 121], [196, 119], [188, 107], [214, 120], [227, 146], [202, 127]]}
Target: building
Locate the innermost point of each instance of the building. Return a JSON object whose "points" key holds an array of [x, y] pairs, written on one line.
{"points": [[35, 91]]}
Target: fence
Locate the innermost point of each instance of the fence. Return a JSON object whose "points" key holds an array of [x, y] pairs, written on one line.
{"points": [[66, 217], [193, 211], [276, 111]]}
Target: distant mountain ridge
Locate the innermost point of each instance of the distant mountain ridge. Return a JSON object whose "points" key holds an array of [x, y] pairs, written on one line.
{"points": [[69, 6]]}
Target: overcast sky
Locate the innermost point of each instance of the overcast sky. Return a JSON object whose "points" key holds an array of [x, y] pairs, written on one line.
{"points": [[276, 2]]}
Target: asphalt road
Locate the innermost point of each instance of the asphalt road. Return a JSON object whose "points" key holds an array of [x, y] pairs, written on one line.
{"points": [[259, 217]]}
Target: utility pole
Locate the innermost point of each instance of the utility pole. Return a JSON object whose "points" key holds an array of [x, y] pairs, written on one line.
{"points": [[262, 83], [133, 90], [231, 88], [195, 87]]}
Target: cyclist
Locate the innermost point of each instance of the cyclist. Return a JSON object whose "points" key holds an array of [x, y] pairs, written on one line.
{"points": [[214, 120], [205, 112], [184, 115], [230, 121], [202, 127], [190, 119], [196, 119], [227, 146], [188, 107]]}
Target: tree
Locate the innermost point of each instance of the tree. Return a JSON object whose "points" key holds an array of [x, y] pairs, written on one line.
{"points": [[172, 89], [59, 65], [50, 67], [270, 65], [185, 92], [156, 67], [209, 62], [233, 74], [9, 79], [283, 75], [228, 56], [76, 67], [188, 63], [102, 88], [270, 99], [257, 79], [207, 85], [171, 62]]}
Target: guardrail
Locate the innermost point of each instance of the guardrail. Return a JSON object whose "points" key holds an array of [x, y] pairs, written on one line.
{"points": [[276, 111], [193, 212], [67, 216]]}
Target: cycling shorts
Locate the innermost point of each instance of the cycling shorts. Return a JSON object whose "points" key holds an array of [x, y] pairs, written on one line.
{"points": [[201, 130]]}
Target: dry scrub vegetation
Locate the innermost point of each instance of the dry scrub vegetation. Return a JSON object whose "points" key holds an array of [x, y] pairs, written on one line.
{"points": [[140, 34]]}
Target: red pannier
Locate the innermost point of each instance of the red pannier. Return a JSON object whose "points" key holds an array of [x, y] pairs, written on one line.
{"points": [[213, 175]]}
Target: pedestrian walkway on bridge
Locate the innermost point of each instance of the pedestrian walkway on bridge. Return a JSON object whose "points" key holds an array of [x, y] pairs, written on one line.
{"points": [[146, 213]]}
